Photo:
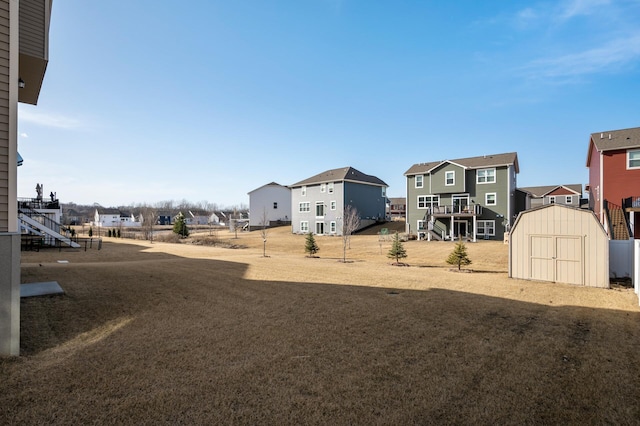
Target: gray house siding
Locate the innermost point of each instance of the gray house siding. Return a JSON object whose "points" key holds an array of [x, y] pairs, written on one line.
{"points": [[368, 199], [437, 179]]}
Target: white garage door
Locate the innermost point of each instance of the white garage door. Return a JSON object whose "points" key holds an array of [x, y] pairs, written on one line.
{"points": [[557, 258]]}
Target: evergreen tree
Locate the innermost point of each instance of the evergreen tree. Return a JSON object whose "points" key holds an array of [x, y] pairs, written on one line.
{"points": [[310, 245], [109, 233], [180, 226], [397, 250], [90, 232], [119, 233], [459, 256]]}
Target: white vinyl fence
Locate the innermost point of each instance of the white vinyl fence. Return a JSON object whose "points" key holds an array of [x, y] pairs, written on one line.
{"points": [[636, 272], [621, 258]]}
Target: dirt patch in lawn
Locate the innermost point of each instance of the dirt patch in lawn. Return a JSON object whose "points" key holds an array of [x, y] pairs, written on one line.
{"points": [[182, 333]]}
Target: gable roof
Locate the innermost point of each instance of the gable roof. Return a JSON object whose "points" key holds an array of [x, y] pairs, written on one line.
{"points": [[348, 174], [268, 184], [613, 140], [494, 160], [541, 191]]}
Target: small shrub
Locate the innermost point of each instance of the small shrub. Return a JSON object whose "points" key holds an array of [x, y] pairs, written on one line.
{"points": [[310, 245], [459, 256]]}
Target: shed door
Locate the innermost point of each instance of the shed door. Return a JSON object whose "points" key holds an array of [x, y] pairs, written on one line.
{"points": [[557, 258]]}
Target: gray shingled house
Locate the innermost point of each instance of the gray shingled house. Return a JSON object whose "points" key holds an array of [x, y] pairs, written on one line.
{"points": [[317, 203]]}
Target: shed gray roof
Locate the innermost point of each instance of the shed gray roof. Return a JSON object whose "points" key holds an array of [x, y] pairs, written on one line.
{"points": [[541, 191], [616, 139], [493, 160], [342, 174]]}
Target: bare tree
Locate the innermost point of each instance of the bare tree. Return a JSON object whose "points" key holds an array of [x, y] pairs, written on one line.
{"points": [[350, 224], [149, 216], [264, 230]]}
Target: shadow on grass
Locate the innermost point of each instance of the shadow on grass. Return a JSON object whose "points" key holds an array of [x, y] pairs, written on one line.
{"points": [[202, 344]]}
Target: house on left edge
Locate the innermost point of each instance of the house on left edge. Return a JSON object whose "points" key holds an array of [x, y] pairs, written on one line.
{"points": [[24, 41]]}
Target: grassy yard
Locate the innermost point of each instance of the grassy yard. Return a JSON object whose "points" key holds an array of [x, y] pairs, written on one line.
{"points": [[194, 334]]}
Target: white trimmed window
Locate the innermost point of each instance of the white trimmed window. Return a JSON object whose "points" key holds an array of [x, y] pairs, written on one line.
{"points": [[384, 191], [319, 209], [450, 178], [330, 187], [304, 226], [333, 205], [486, 176], [486, 227], [419, 181], [323, 187], [428, 201], [332, 227], [552, 199], [303, 191], [490, 199], [422, 225], [304, 207], [568, 199], [633, 159]]}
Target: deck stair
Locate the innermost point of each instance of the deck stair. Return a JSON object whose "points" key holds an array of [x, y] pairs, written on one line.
{"points": [[618, 226], [32, 220]]}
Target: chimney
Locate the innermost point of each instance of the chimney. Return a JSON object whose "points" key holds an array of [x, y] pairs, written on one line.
{"points": [[609, 136], [601, 135]]}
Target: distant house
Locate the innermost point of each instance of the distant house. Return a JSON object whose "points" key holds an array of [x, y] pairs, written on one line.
{"points": [[462, 198], [269, 205], [318, 202], [112, 218], [397, 208], [613, 159], [536, 196], [196, 217], [165, 218]]}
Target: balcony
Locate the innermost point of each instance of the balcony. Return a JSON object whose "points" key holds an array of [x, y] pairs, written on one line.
{"points": [[455, 210], [631, 204]]}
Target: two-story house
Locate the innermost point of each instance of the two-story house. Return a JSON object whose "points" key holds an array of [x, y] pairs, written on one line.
{"points": [[269, 205], [318, 202], [535, 196], [613, 160], [462, 199]]}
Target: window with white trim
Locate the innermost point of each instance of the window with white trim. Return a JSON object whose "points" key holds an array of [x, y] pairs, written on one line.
{"points": [[450, 178], [419, 181], [323, 187], [384, 191], [304, 207], [330, 188], [319, 209], [552, 199], [486, 227], [275, 204], [428, 201], [490, 199], [303, 191], [633, 159], [333, 205], [332, 227], [486, 176], [304, 226], [568, 199], [422, 225]]}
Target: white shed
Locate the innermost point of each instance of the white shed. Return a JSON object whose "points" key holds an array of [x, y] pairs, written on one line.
{"points": [[559, 243]]}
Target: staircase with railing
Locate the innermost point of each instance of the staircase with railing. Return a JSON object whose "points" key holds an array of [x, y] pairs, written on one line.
{"points": [[617, 220], [34, 222]]}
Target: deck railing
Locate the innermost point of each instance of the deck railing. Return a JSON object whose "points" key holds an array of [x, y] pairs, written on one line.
{"points": [[631, 202], [469, 210]]}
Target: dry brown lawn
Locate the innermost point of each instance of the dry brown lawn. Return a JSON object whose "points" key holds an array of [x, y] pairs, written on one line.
{"points": [[181, 333]]}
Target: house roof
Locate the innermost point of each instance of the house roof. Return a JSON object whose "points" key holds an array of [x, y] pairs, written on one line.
{"points": [[494, 160], [541, 191], [342, 174], [268, 184], [398, 200], [613, 140], [108, 210]]}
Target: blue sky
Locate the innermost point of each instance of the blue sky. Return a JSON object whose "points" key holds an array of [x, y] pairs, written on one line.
{"points": [[147, 100]]}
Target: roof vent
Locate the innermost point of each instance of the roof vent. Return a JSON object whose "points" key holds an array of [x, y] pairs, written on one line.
{"points": [[609, 136], [601, 135]]}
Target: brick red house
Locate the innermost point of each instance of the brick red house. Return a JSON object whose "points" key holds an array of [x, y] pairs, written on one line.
{"points": [[613, 160]]}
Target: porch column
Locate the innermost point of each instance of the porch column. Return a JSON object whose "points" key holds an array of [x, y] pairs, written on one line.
{"points": [[451, 225], [474, 227]]}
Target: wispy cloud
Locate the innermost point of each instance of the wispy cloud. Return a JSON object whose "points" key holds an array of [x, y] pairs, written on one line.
{"points": [[24, 135], [610, 57], [47, 120], [573, 8]]}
